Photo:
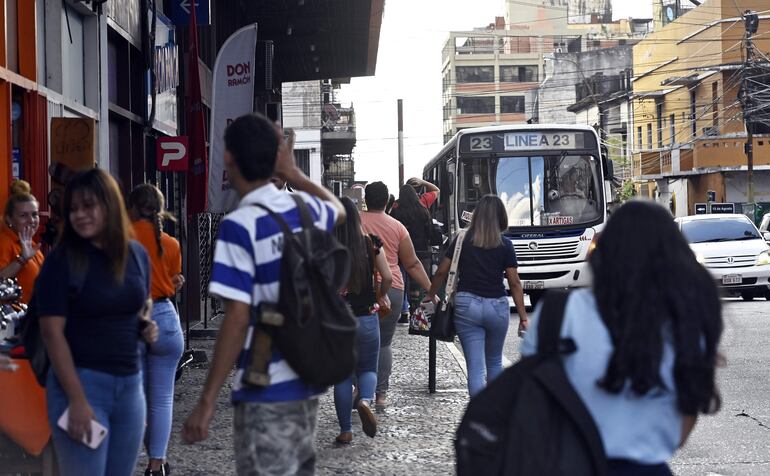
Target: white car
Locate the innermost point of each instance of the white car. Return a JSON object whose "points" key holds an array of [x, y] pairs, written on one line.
{"points": [[733, 251]]}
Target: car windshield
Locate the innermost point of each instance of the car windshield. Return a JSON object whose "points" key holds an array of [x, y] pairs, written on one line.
{"points": [[719, 229], [536, 190]]}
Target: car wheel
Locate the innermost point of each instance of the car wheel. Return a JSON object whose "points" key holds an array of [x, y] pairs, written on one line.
{"points": [[748, 297]]}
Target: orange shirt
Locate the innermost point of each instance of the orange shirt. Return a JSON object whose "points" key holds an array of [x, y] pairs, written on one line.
{"points": [[392, 233], [10, 248], [163, 267]]}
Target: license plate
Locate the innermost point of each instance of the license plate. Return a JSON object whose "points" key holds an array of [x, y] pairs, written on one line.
{"points": [[732, 279], [534, 284]]}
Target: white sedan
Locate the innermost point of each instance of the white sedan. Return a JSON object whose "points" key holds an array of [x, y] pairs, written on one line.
{"points": [[733, 251]]}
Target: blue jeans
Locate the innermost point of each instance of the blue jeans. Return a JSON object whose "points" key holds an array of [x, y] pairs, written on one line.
{"points": [[481, 324], [159, 362], [368, 349], [118, 404]]}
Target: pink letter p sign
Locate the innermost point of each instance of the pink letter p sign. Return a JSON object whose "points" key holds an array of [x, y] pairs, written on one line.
{"points": [[172, 154]]}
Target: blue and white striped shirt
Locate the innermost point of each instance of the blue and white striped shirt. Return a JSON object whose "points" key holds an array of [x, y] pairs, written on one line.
{"points": [[247, 264]]}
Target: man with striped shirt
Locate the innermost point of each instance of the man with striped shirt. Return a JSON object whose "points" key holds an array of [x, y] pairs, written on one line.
{"points": [[274, 426]]}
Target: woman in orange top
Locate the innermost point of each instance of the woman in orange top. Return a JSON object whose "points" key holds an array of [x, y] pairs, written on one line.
{"points": [[20, 256], [146, 207]]}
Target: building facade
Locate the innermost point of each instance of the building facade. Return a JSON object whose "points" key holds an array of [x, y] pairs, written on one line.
{"points": [[326, 131], [491, 75], [689, 129]]}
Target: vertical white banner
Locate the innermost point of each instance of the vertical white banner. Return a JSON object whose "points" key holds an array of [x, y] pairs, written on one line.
{"points": [[232, 96]]}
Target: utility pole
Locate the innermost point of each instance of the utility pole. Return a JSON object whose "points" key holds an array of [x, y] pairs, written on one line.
{"points": [[400, 143], [751, 20]]}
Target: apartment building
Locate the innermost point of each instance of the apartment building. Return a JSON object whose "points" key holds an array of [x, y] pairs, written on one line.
{"points": [[689, 130], [491, 75]]}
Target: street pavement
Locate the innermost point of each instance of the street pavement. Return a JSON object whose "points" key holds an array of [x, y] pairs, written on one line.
{"points": [[416, 432]]}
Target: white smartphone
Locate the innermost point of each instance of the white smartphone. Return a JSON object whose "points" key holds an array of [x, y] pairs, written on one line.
{"points": [[98, 431]]}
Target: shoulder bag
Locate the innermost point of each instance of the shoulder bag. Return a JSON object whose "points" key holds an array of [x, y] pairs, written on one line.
{"points": [[442, 325]]}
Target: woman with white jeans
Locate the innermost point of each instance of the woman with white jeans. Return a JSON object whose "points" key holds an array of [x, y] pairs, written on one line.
{"points": [[481, 304]]}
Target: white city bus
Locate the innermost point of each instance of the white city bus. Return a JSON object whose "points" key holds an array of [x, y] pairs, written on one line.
{"points": [[554, 181]]}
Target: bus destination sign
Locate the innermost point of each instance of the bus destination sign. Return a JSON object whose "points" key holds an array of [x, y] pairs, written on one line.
{"points": [[540, 140], [543, 140]]}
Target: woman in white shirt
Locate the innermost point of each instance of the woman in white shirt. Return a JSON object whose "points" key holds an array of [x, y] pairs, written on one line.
{"points": [[647, 334]]}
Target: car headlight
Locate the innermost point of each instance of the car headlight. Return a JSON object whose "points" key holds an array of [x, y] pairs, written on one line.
{"points": [[764, 258], [700, 258]]}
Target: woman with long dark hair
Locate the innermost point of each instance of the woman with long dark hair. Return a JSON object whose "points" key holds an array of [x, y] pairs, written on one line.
{"points": [[482, 312], [367, 259], [146, 206], [646, 334], [416, 218], [92, 297]]}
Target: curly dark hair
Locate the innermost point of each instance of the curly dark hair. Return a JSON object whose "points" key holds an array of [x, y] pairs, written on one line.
{"points": [[650, 289]]}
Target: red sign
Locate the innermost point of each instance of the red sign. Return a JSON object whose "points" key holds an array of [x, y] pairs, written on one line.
{"points": [[171, 153]]}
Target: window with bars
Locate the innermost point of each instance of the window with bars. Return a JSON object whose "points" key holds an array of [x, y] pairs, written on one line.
{"points": [[302, 157]]}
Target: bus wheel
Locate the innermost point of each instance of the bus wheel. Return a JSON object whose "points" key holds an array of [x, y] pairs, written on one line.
{"points": [[535, 297]]}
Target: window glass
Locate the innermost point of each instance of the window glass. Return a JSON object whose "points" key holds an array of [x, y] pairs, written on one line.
{"points": [[518, 74], [476, 105], [719, 229], [475, 74], [512, 104]]}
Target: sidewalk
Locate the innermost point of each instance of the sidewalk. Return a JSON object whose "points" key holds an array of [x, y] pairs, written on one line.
{"points": [[415, 434]]}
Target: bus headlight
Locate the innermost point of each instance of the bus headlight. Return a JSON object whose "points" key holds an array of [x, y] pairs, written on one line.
{"points": [[592, 246], [764, 258]]}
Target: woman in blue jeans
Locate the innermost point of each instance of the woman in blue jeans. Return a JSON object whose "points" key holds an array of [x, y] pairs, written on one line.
{"points": [[159, 360], [481, 303], [367, 261], [92, 297]]}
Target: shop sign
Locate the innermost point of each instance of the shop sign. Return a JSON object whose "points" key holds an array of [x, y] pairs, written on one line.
{"points": [[16, 162], [180, 12], [171, 153], [166, 76]]}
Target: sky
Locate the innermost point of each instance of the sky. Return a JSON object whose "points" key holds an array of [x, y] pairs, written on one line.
{"points": [[409, 67]]}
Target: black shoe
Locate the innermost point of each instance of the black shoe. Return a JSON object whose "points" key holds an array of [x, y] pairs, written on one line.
{"points": [[166, 469], [160, 472], [404, 319]]}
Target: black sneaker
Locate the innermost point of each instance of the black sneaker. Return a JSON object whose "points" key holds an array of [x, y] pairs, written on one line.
{"points": [[404, 319]]}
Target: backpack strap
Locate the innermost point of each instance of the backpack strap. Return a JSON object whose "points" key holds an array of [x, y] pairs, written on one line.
{"points": [[551, 319], [304, 212], [278, 219]]}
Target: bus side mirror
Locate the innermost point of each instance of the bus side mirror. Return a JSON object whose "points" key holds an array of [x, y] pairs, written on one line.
{"points": [[609, 168]]}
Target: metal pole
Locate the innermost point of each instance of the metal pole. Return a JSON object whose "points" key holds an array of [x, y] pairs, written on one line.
{"points": [[432, 365], [751, 19], [400, 143]]}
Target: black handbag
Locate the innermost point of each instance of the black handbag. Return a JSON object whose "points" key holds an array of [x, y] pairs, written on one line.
{"points": [[442, 324]]}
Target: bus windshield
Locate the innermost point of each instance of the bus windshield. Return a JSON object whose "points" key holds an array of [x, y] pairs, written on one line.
{"points": [[537, 191]]}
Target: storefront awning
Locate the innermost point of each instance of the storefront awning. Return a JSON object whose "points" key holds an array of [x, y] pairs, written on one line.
{"points": [[314, 39]]}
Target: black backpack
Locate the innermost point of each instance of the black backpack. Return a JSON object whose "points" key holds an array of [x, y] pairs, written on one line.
{"points": [[318, 334], [530, 420]]}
